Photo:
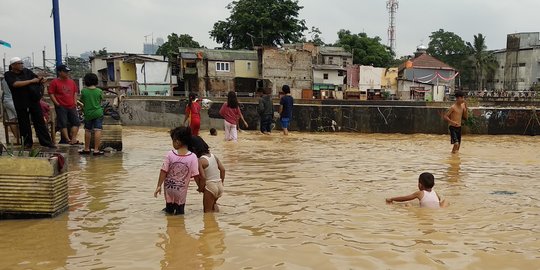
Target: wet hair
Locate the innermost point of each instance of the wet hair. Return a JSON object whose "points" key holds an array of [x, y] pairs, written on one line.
{"points": [[192, 97], [459, 94], [286, 89], [90, 79], [213, 132], [181, 134], [199, 146], [427, 180], [232, 100]]}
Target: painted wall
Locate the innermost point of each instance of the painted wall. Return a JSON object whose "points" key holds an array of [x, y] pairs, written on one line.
{"points": [[333, 77], [389, 80], [370, 77], [127, 71], [246, 69]]}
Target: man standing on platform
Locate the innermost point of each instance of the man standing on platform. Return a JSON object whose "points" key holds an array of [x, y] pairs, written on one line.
{"points": [[26, 88], [63, 93]]}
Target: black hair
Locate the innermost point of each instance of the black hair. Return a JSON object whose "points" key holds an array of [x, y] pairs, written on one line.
{"points": [[182, 134], [199, 146], [232, 100], [213, 132], [427, 180], [192, 97], [90, 79], [286, 89], [459, 94]]}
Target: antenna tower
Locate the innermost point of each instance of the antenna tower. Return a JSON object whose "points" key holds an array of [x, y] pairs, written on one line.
{"points": [[392, 6]]}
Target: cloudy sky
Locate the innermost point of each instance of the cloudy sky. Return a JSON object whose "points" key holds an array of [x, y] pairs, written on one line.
{"points": [[121, 25]]}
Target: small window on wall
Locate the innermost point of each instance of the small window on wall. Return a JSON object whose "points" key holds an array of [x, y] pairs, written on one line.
{"points": [[248, 66], [341, 73], [325, 76], [223, 66]]}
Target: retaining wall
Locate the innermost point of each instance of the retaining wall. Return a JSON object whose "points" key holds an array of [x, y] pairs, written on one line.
{"points": [[382, 117]]}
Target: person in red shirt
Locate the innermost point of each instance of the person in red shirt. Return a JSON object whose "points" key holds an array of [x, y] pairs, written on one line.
{"points": [[63, 93], [230, 111], [193, 113]]}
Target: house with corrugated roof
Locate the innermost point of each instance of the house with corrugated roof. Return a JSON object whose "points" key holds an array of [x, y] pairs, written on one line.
{"points": [[424, 77]]}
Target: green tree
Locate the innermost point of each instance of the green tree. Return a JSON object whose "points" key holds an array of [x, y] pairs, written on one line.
{"points": [[175, 41], [79, 66], [314, 37], [452, 50], [259, 22], [102, 52], [365, 50], [485, 63]]}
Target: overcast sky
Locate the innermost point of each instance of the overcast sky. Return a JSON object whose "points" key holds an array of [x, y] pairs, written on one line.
{"points": [[121, 25]]}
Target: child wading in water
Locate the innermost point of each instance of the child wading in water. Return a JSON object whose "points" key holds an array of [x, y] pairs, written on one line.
{"points": [[426, 195], [179, 166], [453, 116], [230, 111], [211, 174], [193, 113]]}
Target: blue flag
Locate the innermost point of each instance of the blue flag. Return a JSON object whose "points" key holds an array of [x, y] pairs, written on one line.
{"points": [[5, 44]]}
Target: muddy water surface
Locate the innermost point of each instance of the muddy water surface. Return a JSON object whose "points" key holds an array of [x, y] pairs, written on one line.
{"points": [[309, 201]]}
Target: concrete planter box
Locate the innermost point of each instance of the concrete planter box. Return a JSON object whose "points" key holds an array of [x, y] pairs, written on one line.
{"points": [[32, 187], [111, 135]]}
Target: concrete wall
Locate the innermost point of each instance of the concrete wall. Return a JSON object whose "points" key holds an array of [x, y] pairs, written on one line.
{"points": [[367, 117], [246, 69], [290, 67]]}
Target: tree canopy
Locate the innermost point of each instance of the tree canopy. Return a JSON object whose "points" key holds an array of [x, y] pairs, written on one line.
{"points": [[484, 62], [259, 22], [365, 50], [175, 41], [472, 60], [448, 47]]}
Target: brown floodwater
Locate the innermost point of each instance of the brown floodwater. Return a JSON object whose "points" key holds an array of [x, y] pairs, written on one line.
{"points": [[307, 201]]}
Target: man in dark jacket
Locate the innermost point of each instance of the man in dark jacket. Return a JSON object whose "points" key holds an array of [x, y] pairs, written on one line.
{"points": [[25, 87], [266, 111]]}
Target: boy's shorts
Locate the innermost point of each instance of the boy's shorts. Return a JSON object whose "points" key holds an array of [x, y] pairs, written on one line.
{"points": [[94, 124], [455, 135], [67, 115], [285, 122]]}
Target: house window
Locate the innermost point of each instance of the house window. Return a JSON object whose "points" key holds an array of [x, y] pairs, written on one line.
{"points": [[249, 66], [330, 60], [340, 73], [325, 76], [223, 66], [522, 64]]}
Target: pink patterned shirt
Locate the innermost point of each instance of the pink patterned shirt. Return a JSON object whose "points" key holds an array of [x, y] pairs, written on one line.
{"points": [[180, 169]]}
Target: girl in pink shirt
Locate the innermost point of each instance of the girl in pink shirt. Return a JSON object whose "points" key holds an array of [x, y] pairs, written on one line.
{"points": [[179, 166], [230, 111]]}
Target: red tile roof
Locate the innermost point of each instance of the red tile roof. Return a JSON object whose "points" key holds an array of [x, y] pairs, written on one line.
{"points": [[427, 61]]}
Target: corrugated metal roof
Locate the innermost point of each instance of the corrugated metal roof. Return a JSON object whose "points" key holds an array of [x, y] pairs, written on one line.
{"points": [[229, 55], [219, 55]]}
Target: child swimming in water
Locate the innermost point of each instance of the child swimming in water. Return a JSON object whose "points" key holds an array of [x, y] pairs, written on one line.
{"points": [[426, 195], [211, 174]]}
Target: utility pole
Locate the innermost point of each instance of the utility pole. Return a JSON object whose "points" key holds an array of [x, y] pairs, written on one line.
{"points": [[57, 35], [44, 66]]}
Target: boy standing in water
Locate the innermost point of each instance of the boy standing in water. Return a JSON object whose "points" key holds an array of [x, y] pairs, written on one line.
{"points": [[285, 109], [425, 194], [453, 116]]}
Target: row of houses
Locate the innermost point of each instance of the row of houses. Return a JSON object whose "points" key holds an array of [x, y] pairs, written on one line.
{"points": [[312, 72]]}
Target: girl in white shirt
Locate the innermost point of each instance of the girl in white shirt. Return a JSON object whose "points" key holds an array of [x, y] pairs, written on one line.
{"points": [[211, 174]]}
